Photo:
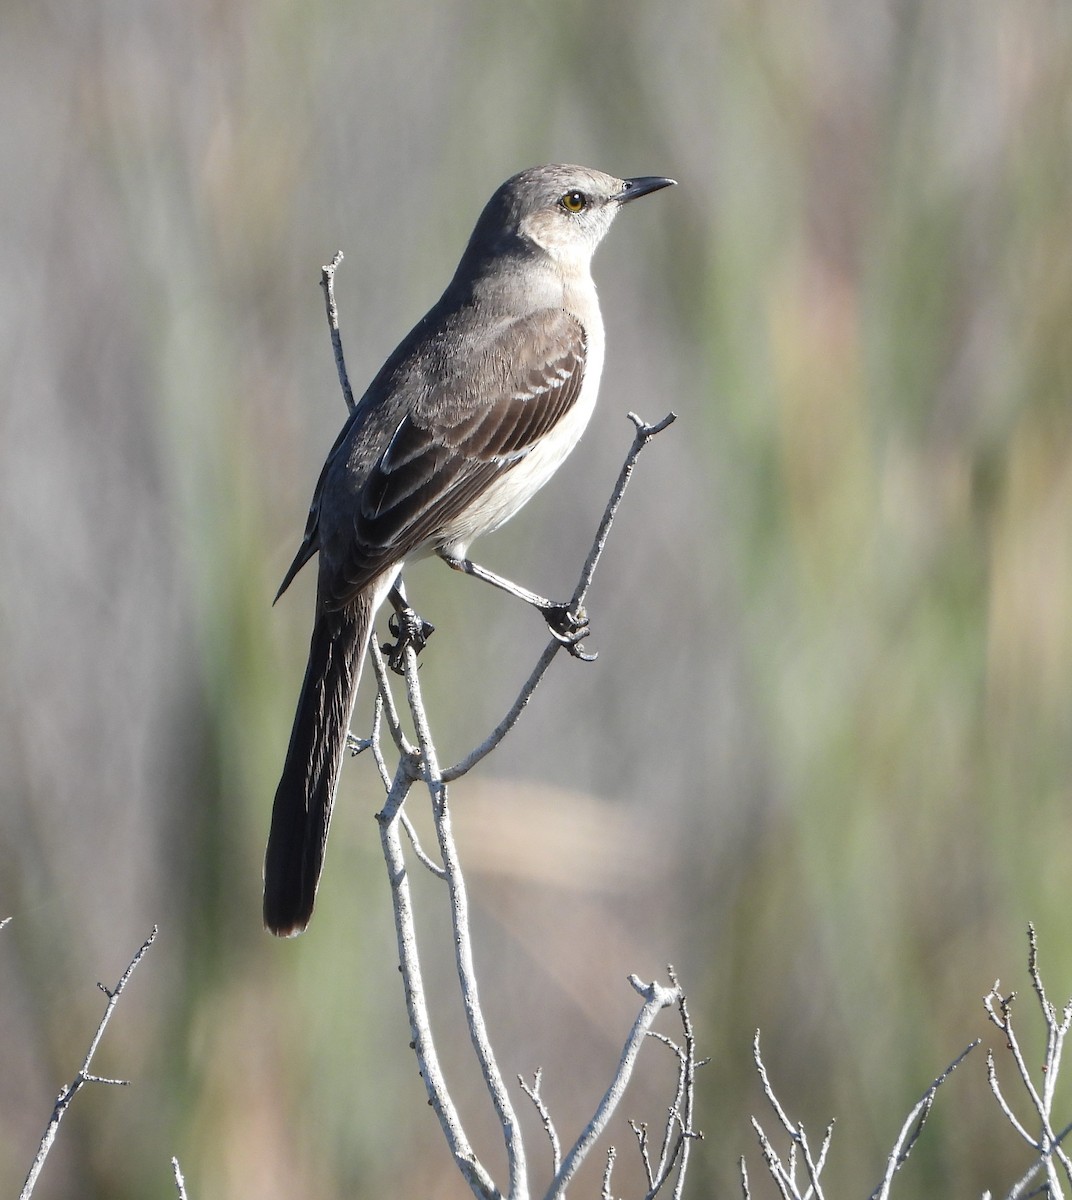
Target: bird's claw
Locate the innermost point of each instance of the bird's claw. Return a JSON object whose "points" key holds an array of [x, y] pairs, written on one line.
{"points": [[570, 627], [408, 628]]}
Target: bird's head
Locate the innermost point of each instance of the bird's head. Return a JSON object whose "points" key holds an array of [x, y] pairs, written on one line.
{"points": [[563, 210]]}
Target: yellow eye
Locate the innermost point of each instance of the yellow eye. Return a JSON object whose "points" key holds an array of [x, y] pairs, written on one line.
{"points": [[574, 202]]}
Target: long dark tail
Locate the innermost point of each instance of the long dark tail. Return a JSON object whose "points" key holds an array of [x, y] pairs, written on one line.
{"points": [[306, 791]]}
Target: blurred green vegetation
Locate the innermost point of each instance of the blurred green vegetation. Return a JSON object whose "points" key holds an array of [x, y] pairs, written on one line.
{"points": [[824, 761]]}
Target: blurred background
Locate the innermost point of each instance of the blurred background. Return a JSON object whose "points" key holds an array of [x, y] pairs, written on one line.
{"points": [[823, 763]]}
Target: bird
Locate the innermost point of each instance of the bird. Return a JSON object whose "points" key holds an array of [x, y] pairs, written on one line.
{"points": [[467, 419]]}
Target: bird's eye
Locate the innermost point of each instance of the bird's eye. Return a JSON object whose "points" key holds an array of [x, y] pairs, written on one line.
{"points": [[574, 202]]}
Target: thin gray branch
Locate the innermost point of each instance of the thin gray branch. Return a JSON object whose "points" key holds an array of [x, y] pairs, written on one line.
{"points": [[1003, 1104], [644, 434], [374, 739], [390, 709], [678, 1133], [656, 998], [423, 857], [1004, 1023], [1019, 1189], [913, 1126], [608, 1171], [180, 1183], [784, 1175], [537, 1099], [327, 282], [782, 1179], [510, 720], [768, 1090], [1056, 1032], [463, 948], [684, 1102], [63, 1100], [1047, 1144], [640, 1132], [413, 986]]}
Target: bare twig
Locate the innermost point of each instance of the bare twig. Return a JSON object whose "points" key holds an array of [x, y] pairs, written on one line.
{"points": [[656, 998], [1004, 1023], [673, 1153], [1019, 1189], [180, 1183], [413, 986], [390, 709], [608, 1171], [913, 1126], [1056, 1032], [510, 720], [644, 434], [640, 1132], [423, 857], [784, 1174], [1003, 1104], [374, 740], [327, 282], [1047, 1144], [533, 1093], [63, 1100], [745, 1192], [783, 1179], [675, 1149]]}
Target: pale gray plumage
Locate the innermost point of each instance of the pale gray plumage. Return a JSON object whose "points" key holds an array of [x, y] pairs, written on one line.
{"points": [[465, 422]]}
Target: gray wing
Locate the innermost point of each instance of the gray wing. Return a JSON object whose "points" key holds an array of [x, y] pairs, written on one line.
{"points": [[466, 429]]}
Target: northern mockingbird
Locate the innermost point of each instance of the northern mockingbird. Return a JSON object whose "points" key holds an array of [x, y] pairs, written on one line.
{"points": [[464, 423]]}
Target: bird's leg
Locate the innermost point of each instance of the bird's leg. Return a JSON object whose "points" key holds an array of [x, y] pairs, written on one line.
{"points": [[568, 626], [408, 628]]}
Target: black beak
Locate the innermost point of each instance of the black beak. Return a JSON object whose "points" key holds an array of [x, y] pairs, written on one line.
{"points": [[641, 186]]}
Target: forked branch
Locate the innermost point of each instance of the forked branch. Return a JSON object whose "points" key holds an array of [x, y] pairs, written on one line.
{"points": [[84, 1075], [1052, 1160]]}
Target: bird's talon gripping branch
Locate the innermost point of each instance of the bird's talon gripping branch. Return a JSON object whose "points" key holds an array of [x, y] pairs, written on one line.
{"points": [[570, 627], [408, 628], [567, 625]]}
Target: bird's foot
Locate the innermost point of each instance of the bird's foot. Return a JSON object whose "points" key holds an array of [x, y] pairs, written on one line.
{"points": [[408, 628], [569, 626]]}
